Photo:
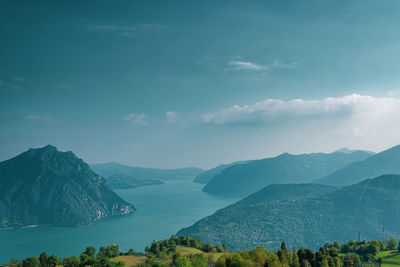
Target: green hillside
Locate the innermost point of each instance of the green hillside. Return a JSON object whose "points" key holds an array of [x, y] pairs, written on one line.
{"points": [[390, 258], [304, 215]]}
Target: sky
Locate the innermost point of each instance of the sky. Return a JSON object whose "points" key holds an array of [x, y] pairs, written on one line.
{"points": [[172, 84]]}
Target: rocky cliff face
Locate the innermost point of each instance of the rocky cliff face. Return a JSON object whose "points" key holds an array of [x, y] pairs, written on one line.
{"points": [[46, 186]]}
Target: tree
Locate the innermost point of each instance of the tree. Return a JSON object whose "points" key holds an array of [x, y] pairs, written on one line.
{"points": [[53, 261], [295, 260], [310, 256], [283, 257], [258, 255], [90, 251], [86, 259], [337, 262], [31, 262], [43, 260], [199, 260], [356, 260], [348, 261], [337, 245], [73, 261], [182, 262], [373, 248], [301, 253], [236, 260], [392, 243], [334, 252], [131, 252], [15, 263], [273, 261]]}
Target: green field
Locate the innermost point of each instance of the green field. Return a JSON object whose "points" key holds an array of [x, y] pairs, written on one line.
{"points": [[390, 258], [130, 260], [135, 260], [185, 251]]}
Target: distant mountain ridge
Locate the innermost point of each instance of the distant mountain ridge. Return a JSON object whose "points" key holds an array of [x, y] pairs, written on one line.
{"points": [[207, 176], [305, 215], [46, 186], [244, 179], [122, 181], [386, 162], [112, 168]]}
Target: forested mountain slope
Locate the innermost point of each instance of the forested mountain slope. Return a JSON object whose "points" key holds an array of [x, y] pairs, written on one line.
{"points": [[46, 186], [244, 179], [305, 215]]}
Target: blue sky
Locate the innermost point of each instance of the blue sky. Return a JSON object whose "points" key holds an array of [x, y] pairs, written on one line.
{"points": [[198, 83]]}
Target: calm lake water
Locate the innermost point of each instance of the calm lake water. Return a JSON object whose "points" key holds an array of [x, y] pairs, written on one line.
{"points": [[162, 210]]}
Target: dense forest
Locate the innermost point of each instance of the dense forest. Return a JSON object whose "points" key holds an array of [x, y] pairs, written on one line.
{"points": [[304, 215], [187, 252]]}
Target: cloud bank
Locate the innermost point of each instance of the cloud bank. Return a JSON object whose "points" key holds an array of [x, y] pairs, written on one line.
{"points": [[247, 65], [252, 66], [354, 114], [171, 116], [137, 119]]}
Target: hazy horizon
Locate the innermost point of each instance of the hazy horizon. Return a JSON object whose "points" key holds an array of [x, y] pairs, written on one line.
{"points": [[132, 165]]}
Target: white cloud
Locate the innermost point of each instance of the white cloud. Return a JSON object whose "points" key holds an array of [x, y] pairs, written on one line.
{"points": [[252, 66], [171, 116], [247, 65], [139, 119], [354, 115]]}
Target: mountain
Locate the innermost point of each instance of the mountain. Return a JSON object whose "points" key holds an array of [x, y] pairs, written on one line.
{"points": [[122, 181], [112, 168], [46, 186], [386, 162], [305, 215], [206, 176], [244, 179]]}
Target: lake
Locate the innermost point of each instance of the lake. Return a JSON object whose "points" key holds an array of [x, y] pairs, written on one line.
{"points": [[162, 210]]}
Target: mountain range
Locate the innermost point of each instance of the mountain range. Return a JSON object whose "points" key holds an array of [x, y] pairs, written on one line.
{"points": [[305, 215], [139, 173], [241, 180], [207, 176], [122, 181], [386, 162], [46, 186]]}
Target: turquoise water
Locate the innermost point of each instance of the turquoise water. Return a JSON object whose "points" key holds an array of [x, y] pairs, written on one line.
{"points": [[162, 210]]}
